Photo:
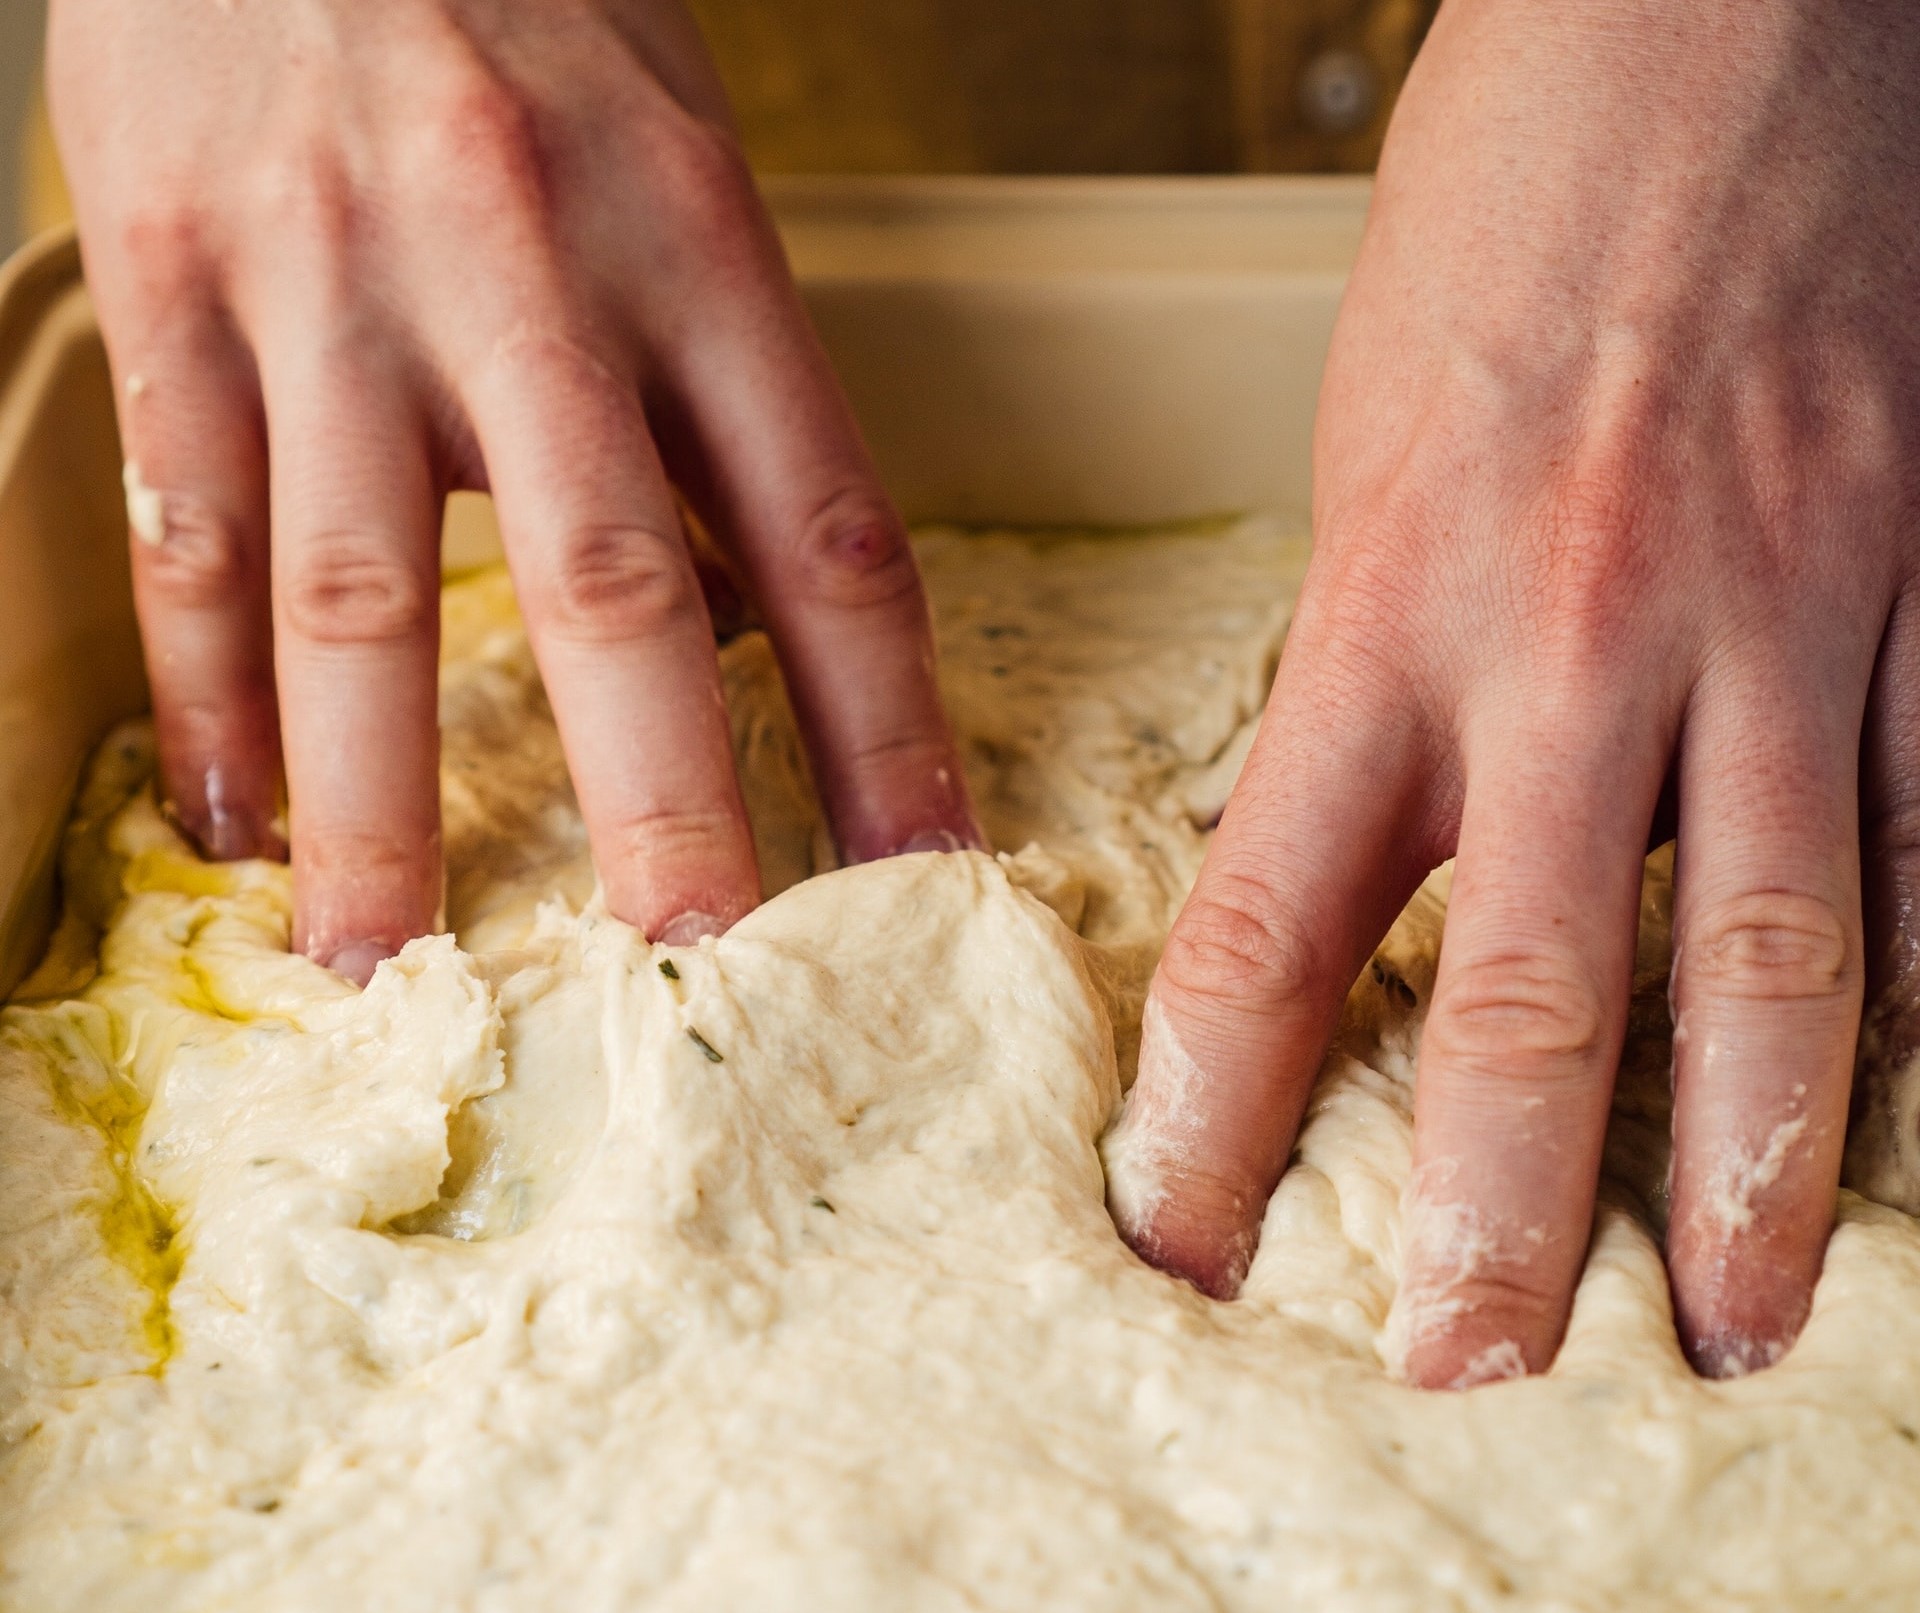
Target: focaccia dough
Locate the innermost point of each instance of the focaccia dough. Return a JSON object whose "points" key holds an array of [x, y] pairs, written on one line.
{"points": [[544, 1275]]}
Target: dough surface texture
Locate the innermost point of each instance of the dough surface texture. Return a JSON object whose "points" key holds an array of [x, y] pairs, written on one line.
{"points": [[557, 1270]]}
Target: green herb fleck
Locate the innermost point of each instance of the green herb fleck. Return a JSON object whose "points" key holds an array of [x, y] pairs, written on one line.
{"points": [[713, 1053], [821, 1204], [667, 969]]}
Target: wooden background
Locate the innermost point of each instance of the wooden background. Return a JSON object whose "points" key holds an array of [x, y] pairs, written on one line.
{"points": [[1060, 86], [990, 86]]}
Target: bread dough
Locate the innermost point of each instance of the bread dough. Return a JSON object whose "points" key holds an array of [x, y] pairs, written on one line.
{"points": [[542, 1275]]}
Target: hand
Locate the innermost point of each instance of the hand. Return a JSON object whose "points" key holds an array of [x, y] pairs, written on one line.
{"points": [[1617, 488], [348, 257]]}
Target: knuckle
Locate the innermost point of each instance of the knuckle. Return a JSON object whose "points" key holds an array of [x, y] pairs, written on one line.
{"points": [[1517, 1012], [702, 177], [1364, 606], [1371, 564], [162, 245], [309, 194], [611, 584], [1235, 942], [1775, 945], [854, 553], [350, 589], [1590, 561], [203, 561], [487, 137], [1595, 504]]}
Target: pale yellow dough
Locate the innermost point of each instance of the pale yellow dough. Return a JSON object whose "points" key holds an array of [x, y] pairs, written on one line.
{"points": [[489, 1288]]}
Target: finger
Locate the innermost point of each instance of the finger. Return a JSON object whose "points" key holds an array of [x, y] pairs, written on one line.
{"points": [[1890, 849], [757, 430], [1519, 1051], [1324, 840], [356, 627], [614, 612], [1766, 993], [196, 477]]}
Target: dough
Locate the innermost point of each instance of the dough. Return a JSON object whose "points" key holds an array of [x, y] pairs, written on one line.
{"points": [[560, 1271]]}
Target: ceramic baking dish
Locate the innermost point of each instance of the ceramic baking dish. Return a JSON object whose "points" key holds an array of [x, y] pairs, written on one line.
{"points": [[1030, 352]]}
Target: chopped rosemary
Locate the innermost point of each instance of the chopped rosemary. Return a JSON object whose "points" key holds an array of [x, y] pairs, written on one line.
{"points": [[713, 1053], [667, 969], [821, 1204]]}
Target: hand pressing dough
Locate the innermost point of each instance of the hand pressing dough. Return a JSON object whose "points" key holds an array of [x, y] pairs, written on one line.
{"points": [[560, 1271]]}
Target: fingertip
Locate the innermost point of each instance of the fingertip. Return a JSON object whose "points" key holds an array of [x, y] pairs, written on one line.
{"points": [[1484, 1292], [678, 891], [1738, 1305], [348, 922], [1497, 1362], [1208, 1256], [360, 898], [1731, 1354], [914, 800], [1460, 1348], [1171, 1204], [1754, 1188]]}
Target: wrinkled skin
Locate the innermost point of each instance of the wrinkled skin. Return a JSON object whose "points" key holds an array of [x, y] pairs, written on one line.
{"points": [[1617, 535], [348, 257]]}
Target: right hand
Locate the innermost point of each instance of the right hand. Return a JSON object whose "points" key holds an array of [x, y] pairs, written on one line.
{"points": [[1616, 497], [350, 257]]}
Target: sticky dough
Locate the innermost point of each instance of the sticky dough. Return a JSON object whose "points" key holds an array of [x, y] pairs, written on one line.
{"points": [[540, 1276]]}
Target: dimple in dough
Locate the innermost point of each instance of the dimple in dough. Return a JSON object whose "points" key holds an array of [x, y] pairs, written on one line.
{"points": [[540, 1275]]}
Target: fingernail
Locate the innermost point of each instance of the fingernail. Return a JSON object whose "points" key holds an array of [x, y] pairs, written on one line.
{"points": [[223, 829], [930, 840], [227, 837], [358, 959], [689, 929], [233, 836], [232, 831]]}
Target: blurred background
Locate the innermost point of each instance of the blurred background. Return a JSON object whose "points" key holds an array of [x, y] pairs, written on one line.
{"points": [[21, 23], [971, 86]]}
